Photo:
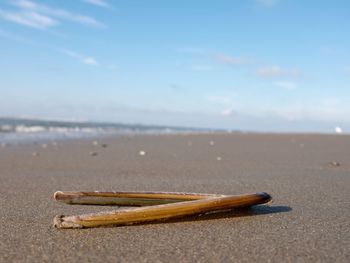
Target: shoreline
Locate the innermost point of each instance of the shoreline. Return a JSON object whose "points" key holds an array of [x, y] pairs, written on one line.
{"points": [[32, 138]]}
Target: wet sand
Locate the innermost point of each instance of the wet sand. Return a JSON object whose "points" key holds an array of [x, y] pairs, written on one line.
{"points": [[308, 177]]}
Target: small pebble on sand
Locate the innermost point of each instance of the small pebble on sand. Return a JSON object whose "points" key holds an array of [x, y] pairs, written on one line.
{"points": [[142, 153], [44, 146], [211, 143], [219, 158], [93, 153], [95, 143], [104, 145], [35, 154], [338, 130], [334, 163]]}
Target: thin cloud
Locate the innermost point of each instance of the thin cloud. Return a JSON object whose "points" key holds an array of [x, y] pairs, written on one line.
{"points": [[223, 101], [14, 37], [27, 6], [230, 60], [277, 71], [227, 112], [99, 3], [288, 85], [320, 110], [267, 3], [88, 60], [330, 109], [29, 19]]}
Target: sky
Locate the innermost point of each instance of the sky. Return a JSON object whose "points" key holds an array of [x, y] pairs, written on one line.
{"points": [[255, 65]]}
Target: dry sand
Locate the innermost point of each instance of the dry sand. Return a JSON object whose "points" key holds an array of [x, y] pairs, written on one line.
{"points": [[308, 220]]}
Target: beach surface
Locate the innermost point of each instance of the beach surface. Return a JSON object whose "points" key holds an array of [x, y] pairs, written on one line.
{"points": [[308, 177]]}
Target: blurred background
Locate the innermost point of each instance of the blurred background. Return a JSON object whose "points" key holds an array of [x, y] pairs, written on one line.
{"points": [[250, 65]]}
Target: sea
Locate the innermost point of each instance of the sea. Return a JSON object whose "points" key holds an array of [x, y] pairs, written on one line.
{"points": [[23, 130]]}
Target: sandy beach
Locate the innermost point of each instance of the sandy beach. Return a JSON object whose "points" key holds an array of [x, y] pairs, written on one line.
{"points": [[308, 177]]}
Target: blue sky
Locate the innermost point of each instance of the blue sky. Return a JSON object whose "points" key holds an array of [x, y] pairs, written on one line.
{"points": [[265, 65]]}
